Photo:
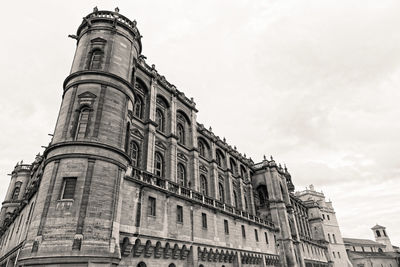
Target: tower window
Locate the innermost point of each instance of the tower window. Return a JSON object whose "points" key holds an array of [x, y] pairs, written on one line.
{"points": [[378, 234], [158, 165], [179, 214], [256, 234], [204, 220], [68, 189], [384, 232], [226, 227], [16, 191], [82, 123], [151, 206], [334, 238], [134, 149], [160, 120], [181, 174], [328, 216], [243, 232], [203, 185], [235, 199], [266, 238], [96, 60]]}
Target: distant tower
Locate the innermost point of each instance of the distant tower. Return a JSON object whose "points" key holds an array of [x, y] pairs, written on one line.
{"points": [[78, 198], [382, 237]]}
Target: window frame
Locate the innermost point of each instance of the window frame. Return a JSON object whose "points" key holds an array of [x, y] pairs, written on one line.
{"points": [[179, 214], [64, 186], [151, 206]]}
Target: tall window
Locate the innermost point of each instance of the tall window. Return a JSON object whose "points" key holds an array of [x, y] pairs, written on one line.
{"points": [[16, 191], [179, 214], [202, 149], [138, 108], [82, 123], [160, 120], [95, 60], [243, 172], [204, 220], [181, 174], [235, 199], [243, 232], [266, 238], [68, 189], [226, 227], [329, 238], [151, 206], [134, 149], [378, 234], [221, 193], [203, 185], [256, 234], [219, 159], [334, 238], [181, 133], [158, 165], [233, 166], [246, 205]]}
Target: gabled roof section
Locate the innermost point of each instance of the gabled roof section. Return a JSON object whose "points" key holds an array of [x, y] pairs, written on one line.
{"points": [[377, 226], [357, 241]]}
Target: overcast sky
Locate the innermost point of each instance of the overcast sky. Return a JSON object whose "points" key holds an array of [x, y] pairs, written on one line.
{"points": [[313, 83]]}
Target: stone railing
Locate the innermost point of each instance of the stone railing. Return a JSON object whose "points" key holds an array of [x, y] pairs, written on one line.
{"points": [[112, 15], [172, 187]]}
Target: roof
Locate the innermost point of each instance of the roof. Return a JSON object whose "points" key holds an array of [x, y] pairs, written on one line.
{"points": [[356, 241], [377, 226]]}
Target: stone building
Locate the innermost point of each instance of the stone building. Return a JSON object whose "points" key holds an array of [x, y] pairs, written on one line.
{"points": [[130, 177], [368, 253]]}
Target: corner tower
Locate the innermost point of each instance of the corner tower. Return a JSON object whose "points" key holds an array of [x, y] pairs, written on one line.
{"points": [[77, 210]]}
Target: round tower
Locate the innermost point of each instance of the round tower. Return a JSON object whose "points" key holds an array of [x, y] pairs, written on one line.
{"points": [[382, 237], [77, 209]]}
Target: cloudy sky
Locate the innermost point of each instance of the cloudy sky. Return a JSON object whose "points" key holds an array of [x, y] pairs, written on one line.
{"points": [[313, 83]]}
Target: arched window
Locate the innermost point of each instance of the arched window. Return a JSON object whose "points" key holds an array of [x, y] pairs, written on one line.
{"points": [[236, 203], [221, 193], [141, 264], [246, 205], [82, 123], [171, 265], [96, 60], [203, 185], [158, 165], [233, 166], [219, 158], [243, 172], [160, 120], [202, 149], [138, 108], [181, 133], [181, 175], [262, 193], [16, 192], [134, 151], [378, 234]]}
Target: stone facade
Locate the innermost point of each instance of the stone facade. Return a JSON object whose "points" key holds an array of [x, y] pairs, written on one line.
{"points": [[130, 177]]}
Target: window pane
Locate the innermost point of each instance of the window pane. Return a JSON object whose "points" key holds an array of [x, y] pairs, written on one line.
{"points": [[69, 188]]}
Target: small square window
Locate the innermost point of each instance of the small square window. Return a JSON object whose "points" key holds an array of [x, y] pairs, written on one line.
{"points": [[204, 220], [179, 214], [68, 189], [226, 227], [151, 206]]}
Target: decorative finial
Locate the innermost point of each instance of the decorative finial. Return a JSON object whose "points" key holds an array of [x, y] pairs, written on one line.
{"points": [[116, 9], [210, 129], [272, 159], [235, 147], [265, 158], [134, 23], [153, 67], [191, 99], [244, 155], [285, 167], [280, 166], [95, 9], [224, 139]]}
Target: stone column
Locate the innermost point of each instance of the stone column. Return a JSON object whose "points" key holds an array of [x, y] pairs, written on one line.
{"points": [[173, 142], [151, 128], [194, 153]]}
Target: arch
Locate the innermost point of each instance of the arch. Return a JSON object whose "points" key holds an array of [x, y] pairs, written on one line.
{"points": [[221, 192], [16, 191], [134, 153], [181, 174], [141, 264], [140, 85], [162, 101], [203, 185], [181, 113], [172, 265], [158, 164], [203, 147], [95, 60], [180, 130], [233, 166]]}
